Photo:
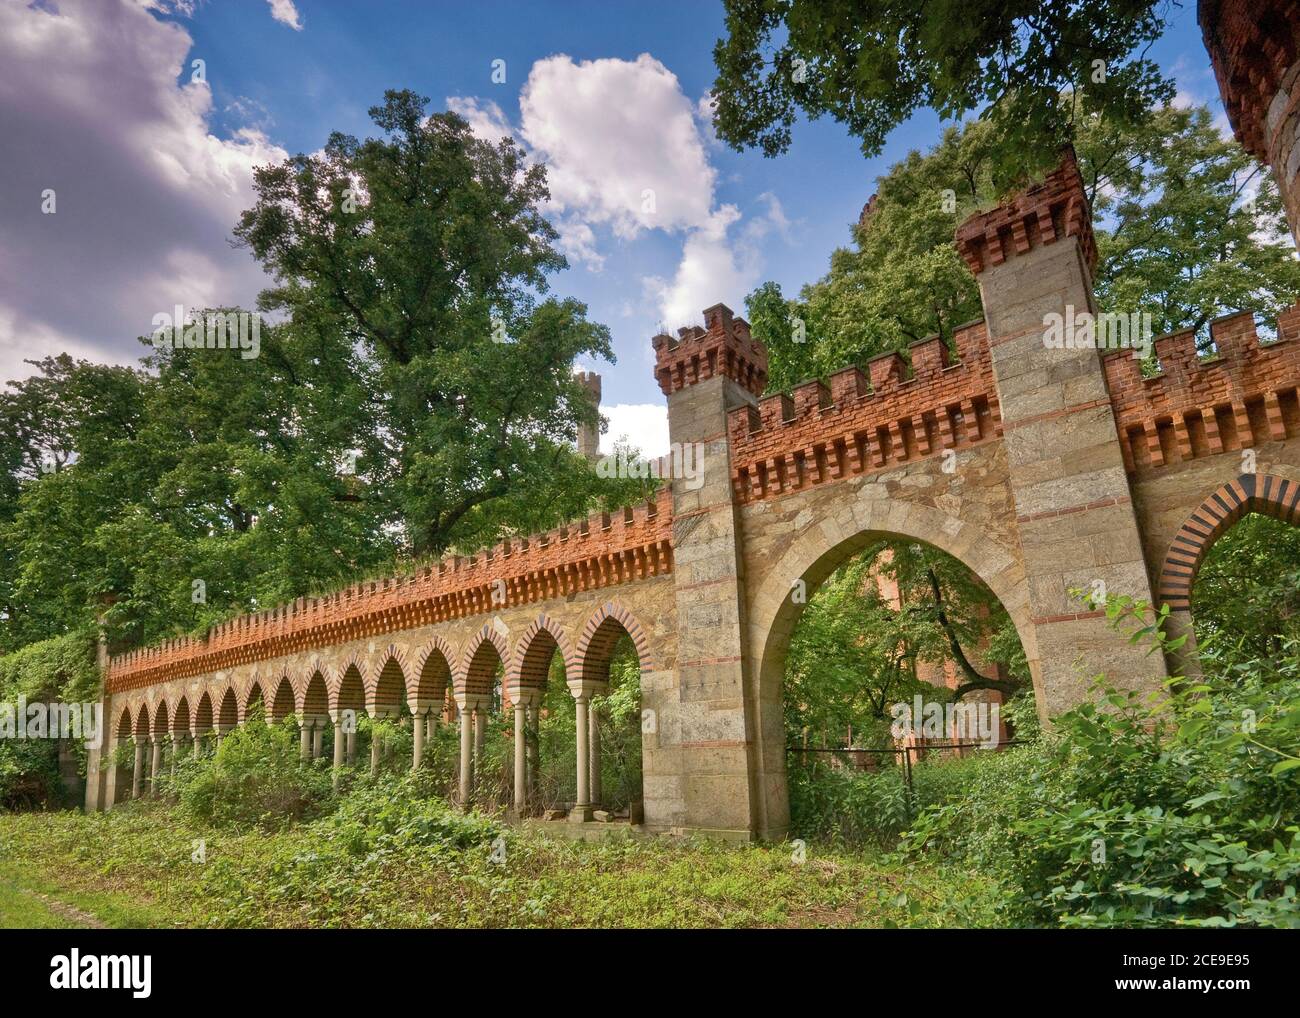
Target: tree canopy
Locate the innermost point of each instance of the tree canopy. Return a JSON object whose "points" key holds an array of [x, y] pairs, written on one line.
{"points": [[414, 393], [871, 64]]}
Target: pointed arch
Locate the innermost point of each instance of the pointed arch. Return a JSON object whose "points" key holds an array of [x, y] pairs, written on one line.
{"points": [[124, 729], [433, 679], [181, 717], [1266, 494], [389, 691], [160, 718], [533, 653], [203, 722], [596, 645], [315, 697], [282, 701], [486, 650], [350, 690], [252, 698], [227, 713]]}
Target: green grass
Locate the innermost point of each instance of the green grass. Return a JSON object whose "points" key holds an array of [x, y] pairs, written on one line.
{"points": [[390, 863]]}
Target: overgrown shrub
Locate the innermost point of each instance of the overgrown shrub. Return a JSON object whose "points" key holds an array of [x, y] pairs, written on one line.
{"points": [[1179, 808], [255, 777]]}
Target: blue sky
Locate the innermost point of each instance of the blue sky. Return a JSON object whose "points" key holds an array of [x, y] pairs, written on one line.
{"points": [[610, 99]]}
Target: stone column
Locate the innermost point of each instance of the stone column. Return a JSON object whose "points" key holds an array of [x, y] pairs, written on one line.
{"points": [[338, 748], [521, 760], [480, 735], [593, 754], [304, 738], [176, 752], [155, 764], [351, 739], [431, 725], [196, 743], [137, 773], [466, 754], [534, 719], [1033, 257], [581, 811], [376, 744], [317, 737], [417, 739]]}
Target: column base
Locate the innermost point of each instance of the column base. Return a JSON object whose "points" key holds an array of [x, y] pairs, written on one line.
{"points": [[580, 814]]}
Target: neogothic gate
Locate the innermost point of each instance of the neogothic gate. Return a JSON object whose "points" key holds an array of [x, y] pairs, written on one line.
{"points": [[1042, 469]]}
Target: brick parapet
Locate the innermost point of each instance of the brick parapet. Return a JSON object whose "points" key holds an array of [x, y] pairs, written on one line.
{"points": [[723, 347], [1243, 396], [1042, 214], [603, 550], [861, 423]]}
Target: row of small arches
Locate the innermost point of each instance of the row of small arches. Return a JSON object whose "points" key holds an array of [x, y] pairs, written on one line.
{"points": [[470, 675]]}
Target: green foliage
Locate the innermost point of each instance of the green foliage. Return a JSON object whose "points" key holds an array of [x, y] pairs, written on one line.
{"points": [[1173, 809], [870, 64], [855, 652], [1247, 591], [1188, 228], [255, 778], [61, 669]]}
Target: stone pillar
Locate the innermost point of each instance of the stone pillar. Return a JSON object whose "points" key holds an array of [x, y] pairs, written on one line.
{"points": [[137, 773], [707, 766], [176, 752], [480, 735], [593, 755], [155, 764], [338, 748], [466, 754], [1254, 46], [417, 738], [1033, 257], [317, 737], [521, 760], [582, 808], [350, 738], [533, 717], [196, 743], [431, 725], [304, 738]]}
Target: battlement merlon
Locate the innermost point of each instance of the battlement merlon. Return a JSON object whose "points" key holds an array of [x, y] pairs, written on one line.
{"points": [[1243, 396], [1047, 212], [601, 550], [723, 347]]}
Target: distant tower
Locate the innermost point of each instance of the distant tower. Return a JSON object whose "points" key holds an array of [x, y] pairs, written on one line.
{"points": [[589, 434]]}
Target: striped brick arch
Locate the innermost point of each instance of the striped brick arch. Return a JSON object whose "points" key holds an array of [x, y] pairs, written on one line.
{"points": [[600, 634], [1250, 493], [533, 653], [479, 666], [431, 682]]}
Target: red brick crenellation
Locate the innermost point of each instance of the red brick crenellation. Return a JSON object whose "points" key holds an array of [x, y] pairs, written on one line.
{"points": [[1242, 397], [723, 347], [818, 434], [1252, 46], [601, 551], [1047, 212]]}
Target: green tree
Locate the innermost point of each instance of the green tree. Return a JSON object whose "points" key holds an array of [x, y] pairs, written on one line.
{"points": [[1188, 228], [425, 253], [871, 64]]}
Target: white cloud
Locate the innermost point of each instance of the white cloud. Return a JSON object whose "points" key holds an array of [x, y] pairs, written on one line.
{"points": [[716, 268], [642, 425], [485, 117], [621, 143], [286, 13], [146, 195]]}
